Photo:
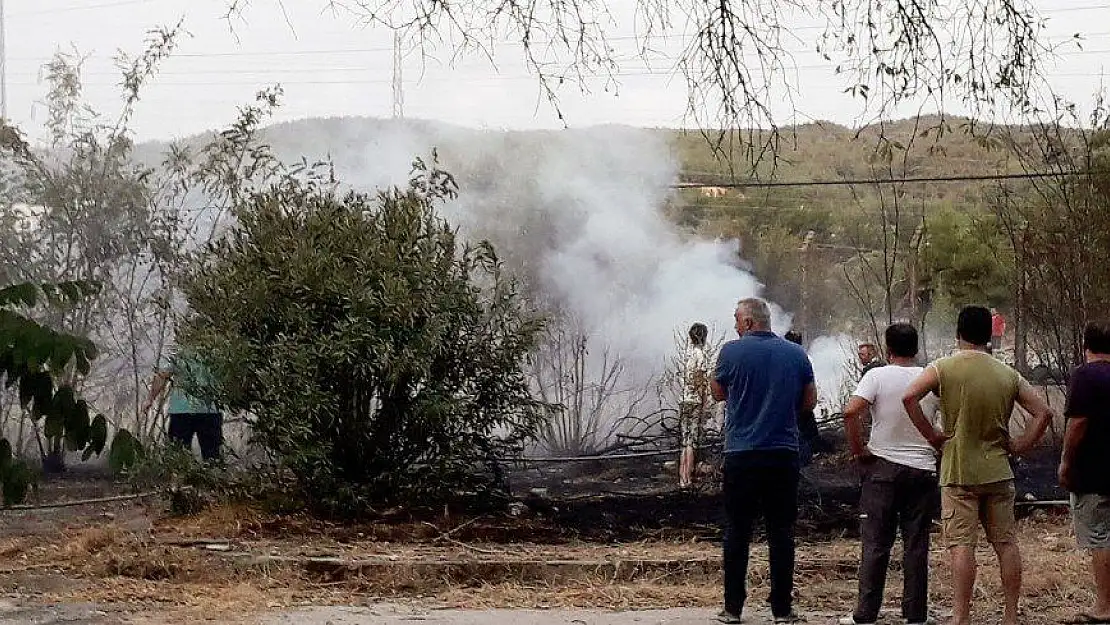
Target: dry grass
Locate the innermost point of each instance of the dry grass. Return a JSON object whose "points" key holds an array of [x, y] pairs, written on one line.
{"points": [[118, 567]]}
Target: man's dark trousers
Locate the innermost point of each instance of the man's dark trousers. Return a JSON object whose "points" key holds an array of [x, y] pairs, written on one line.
{"points": [[760, 482], [894, 497], [206, 426]]}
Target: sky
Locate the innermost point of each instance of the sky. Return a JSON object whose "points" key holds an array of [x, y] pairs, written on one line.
{"points": [[332, 65]]}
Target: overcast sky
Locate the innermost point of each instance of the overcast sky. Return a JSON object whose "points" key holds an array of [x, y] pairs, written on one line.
{"points": [[330, 65]]}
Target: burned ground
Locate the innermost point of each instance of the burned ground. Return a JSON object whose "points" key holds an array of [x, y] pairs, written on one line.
{"points": [[616, 535]]}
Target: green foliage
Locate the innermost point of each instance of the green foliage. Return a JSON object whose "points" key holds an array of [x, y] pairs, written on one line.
{"points": [[965, 259], [79, 213], [15, 482], [16, 477], [379, 358], [42, 362], [125, 452], [187, 481], [1059, 231]]}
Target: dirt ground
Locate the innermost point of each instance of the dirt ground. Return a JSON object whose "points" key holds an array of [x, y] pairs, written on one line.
{"points": [[398, 615], [635, 554]]}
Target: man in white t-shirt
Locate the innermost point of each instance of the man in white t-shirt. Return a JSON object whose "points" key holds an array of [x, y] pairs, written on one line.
{"points": [[695, 400], [899, 470]]}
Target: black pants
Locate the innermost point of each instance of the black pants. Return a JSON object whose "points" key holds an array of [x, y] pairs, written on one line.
{"points": [[895, 496], [207, 427], [760, 483]]}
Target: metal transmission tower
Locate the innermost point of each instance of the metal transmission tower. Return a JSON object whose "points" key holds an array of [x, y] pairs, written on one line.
{"points": [[398, 82]]}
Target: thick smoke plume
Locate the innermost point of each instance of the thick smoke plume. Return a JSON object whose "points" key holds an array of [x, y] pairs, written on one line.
{"points": [[578, 212]]}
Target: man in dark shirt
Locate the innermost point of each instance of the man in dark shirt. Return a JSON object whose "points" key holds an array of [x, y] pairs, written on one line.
{"points": [[1083, 468], [868, 358], [809, 434], [767, 382]]}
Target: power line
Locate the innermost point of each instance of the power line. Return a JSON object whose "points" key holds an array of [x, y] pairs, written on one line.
{"points": [[445, 79], [119, 3], [885, 181], [367, 68], [338, 51], [1076, 8], [84, 7]]}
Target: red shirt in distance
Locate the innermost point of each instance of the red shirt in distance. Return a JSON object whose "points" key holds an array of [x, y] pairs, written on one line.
{"points": [[998, 325]]}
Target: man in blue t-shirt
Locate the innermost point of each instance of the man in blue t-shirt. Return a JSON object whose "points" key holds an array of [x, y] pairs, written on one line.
{"points": [[767, 382]]}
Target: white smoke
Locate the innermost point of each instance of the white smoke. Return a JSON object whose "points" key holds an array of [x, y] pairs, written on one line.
{"points": [[580, 211], [832, 357]]}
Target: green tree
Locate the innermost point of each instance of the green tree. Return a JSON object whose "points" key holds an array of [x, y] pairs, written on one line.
{"points": [[43, 363], [966, 258], [84, 208], [378, 358], [1058, 228]]}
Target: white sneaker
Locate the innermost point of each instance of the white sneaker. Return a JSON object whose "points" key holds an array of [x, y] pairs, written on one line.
{"points": [[850, 620]]}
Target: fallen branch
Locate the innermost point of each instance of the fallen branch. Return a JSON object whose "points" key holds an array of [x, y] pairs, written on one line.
{"points": [[194, 542], [638, 454], [447, 535], [1045, 503], [81, 502]]}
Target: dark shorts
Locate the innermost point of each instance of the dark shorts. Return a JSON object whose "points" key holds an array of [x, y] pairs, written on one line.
{"points": [[206, 426]]}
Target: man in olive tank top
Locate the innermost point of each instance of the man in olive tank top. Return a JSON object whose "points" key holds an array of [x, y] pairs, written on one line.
{"points": [[977, 396]]}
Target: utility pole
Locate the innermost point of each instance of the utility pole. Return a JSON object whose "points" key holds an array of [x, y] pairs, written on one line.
{"points": [[3, 64], [916, 241], [804, 322], [398, 82], [1021, 320]]}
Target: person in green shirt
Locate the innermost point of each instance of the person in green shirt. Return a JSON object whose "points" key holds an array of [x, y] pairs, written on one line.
{"points": [[977, 396], [188, 415]]}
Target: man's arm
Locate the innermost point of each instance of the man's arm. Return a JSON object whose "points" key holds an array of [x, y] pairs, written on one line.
{"points": [[157, 385], [1074, 432], [927, 382], [719, 393], [853, 426], [721, 371], [1035, 405], [809, 397]]}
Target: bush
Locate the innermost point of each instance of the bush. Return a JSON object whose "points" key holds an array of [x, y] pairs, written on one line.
{"points": [[44, 363], [378, 358]]}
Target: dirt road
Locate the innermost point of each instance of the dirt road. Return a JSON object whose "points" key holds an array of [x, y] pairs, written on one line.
{"points": [[385, 614], [394, 615], [399, 615]]}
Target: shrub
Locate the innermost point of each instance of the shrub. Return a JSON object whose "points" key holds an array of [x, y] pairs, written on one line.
{"points": [[379, 359]]}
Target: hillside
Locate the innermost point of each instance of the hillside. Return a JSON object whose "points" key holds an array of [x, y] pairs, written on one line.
{"points": [[828, 151], [814, 151]]}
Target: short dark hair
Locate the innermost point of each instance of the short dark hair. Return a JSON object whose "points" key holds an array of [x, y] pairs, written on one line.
{"points": [[793, 337], [974, 325], [1096, 337], [698, 334], [901, 340]]}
